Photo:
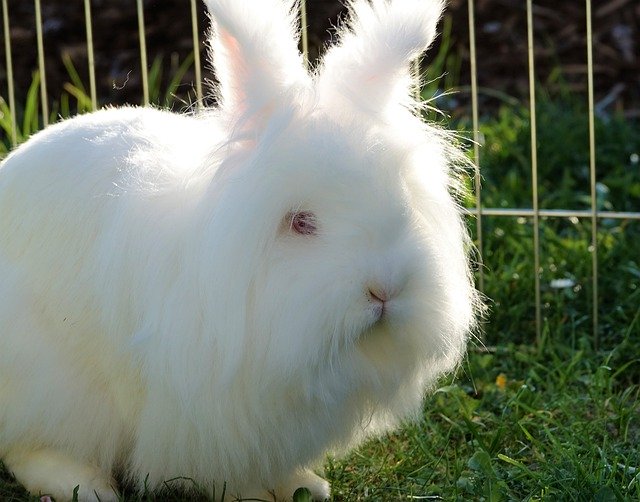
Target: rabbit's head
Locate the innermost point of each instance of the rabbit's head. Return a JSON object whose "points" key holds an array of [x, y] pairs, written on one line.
{"points": [[333, 199]]}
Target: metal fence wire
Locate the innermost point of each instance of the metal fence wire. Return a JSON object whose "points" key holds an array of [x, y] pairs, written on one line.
{"points": [[479, 212]]}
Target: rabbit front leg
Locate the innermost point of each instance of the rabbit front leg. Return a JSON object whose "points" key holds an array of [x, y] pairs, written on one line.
{"points": [[53, 473]]}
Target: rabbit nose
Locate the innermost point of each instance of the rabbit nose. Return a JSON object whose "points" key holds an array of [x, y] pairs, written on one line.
{"points": [[378, 295]]}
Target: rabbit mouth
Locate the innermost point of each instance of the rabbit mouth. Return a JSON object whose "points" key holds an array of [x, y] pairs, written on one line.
{"points": [[379, 300], [378, 320], [379, 311]]}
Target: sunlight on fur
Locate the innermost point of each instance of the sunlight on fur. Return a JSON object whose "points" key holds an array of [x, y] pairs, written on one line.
{"points": [[158, 319]]}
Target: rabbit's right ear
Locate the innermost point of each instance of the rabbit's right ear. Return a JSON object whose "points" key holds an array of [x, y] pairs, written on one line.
{"points": [[255, 53]]}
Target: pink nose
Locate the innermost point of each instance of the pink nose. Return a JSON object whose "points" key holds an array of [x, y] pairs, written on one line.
{"points": [[378, 295]]}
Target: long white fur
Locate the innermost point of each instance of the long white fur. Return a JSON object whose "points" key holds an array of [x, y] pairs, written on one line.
{"points": [[255, 50], [370, 64], [158, 318]]}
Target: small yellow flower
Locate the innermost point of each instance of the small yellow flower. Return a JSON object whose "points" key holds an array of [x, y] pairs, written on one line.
{"points": [[501, 381]]}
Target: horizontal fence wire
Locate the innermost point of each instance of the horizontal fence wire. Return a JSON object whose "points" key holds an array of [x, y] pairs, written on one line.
{"points": [[554, 213]]}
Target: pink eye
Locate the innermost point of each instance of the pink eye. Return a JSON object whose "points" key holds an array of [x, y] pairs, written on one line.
{"points": [[303, 223]]}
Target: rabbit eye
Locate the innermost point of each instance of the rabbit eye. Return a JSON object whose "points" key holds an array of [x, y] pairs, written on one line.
{"points": [[303, 222]]}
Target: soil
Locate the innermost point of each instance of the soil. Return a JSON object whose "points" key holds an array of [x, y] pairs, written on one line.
{"points": [[501, 38]]}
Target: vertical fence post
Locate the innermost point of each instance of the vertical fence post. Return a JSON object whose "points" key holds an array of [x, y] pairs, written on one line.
{"points": [[196, 54], [143, 54], [305, 37], [534, 170], [43, 78], [476, 139], [10, 83], [90, 57], [592, 176]]}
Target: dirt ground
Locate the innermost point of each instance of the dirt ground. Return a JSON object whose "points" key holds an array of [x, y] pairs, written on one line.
{"points": [[501, 37]]}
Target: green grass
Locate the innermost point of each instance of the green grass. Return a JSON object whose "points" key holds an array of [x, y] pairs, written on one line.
{"points": [[520, 421], [562, 426], [563, 159]]}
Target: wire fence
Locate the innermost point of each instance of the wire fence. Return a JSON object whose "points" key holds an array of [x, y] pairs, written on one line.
{"points": [[480, 212]]}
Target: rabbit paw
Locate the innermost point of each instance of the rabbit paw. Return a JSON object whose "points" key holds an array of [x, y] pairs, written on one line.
{"points": [[55, 474]]}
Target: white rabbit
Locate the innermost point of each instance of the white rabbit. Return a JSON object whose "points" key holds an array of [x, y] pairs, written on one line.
{"points": [[229, 296]]}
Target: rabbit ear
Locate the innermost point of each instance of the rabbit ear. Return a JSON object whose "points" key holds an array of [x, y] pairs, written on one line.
{"points": [[371, 64], [255, 54]]}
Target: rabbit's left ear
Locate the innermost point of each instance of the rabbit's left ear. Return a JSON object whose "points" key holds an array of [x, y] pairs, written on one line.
{"points": [[370, 66], [255, 53]]}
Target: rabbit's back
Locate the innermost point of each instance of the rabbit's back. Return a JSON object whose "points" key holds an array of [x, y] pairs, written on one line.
{"points": [[74, 195], [73, 176]]}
